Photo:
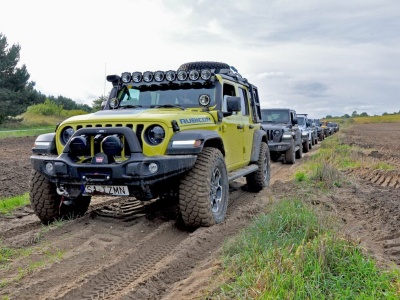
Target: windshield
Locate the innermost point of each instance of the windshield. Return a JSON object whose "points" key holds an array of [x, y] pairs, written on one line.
{"points": [[183, 96], [275, 116], [301, 120]]}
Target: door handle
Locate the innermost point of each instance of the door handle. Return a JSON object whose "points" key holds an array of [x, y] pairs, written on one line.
{"points": [[251, 126], [240, 126]]}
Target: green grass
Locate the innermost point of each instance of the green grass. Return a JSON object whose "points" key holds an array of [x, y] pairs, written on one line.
{"points": [[7, 205], [24, 131], [298, 252], [295, 253]]}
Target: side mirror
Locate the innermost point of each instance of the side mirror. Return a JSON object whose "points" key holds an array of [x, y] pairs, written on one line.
{"points": [[295, 121], [233, 104]]}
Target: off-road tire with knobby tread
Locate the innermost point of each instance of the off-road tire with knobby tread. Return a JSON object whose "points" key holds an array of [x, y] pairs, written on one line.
{"points": [[306, 146], [199, 65], [259, 179], [45, 200], [197, 189], [290, 155], [299, 152]]}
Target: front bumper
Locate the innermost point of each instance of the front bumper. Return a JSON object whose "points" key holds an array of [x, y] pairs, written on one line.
{"points": [[134, 172], [279, 147]]}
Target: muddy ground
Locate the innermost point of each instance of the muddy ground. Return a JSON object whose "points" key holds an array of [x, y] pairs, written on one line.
{"points": [[149, 255]]}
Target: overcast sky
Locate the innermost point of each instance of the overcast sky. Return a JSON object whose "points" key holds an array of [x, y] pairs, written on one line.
{"points": [[317, 56]]}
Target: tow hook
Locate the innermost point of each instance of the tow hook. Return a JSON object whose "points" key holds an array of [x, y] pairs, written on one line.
{"points": [[61, 191]]}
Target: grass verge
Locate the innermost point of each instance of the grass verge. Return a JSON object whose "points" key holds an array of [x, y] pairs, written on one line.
{"points": [[297, 251], [21, 132], [9, 204]]}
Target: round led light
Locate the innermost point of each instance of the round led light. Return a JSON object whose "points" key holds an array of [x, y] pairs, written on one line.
{"points": [[159, 76], [136, 77], [49, 168], [204, 100], [153, 168], [148, 76], [205, 74], [126, 77], [155, 134], [111, 145], [277, 132], [182, 75], [66, 134], [114, 103], [194, 75], [78, 145], [170, 75]]}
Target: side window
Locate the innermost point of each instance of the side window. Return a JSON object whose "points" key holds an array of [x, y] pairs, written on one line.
{"points": [[244, 101], [228, 90]]}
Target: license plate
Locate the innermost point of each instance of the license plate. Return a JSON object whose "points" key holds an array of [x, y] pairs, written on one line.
{"points": [[115, 190]]}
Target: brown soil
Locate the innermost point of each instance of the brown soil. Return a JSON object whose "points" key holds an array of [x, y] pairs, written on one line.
{"points": [[151, 256]]}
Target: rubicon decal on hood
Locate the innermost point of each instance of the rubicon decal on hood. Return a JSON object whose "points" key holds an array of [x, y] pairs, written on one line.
{"points": [[195, 120]]}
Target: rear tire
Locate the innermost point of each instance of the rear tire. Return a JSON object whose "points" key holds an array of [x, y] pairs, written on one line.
{"points": [[45, 200], [203, 192], [259, 179]]}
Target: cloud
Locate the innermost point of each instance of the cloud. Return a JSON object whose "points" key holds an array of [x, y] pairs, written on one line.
{"points": [[311, 89]]}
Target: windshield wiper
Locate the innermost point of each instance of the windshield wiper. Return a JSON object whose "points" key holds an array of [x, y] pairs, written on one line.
{"points": [[130, 106], [170, 106]]}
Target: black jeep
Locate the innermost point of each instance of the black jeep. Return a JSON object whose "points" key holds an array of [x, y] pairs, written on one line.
{"points": [[284, 136]]}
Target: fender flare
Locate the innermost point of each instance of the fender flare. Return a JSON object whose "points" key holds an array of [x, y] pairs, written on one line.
{"points": [[207, 138], [260, 136]]}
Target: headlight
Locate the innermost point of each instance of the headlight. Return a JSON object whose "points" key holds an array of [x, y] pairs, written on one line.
{"points": [[277, 133], [304, 133], [155, 134], [66, 134]]}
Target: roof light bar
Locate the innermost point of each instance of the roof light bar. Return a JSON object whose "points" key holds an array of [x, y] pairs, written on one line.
{"points": [[170, 76]]}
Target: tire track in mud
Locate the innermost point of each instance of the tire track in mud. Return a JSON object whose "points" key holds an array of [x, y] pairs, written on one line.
{"points": [[110, 281], [384, 178]]}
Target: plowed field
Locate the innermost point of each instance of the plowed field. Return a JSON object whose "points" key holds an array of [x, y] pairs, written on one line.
{"points": [[149, 255]]}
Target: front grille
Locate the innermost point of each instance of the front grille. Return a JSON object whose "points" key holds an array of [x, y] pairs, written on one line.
{"points": [[274, 135]]}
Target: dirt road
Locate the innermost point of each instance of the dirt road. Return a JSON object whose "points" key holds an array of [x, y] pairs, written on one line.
{"points": [[153, 256]]}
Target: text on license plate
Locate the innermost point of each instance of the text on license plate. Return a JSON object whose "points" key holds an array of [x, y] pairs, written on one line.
{"points": [[115, 190]]}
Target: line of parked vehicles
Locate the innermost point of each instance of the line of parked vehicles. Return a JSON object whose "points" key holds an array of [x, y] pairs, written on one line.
{"points": [[291, 134]]}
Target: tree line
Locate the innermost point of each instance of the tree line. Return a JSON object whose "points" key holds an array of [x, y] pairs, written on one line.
{"points": [[17, 91], [355, 114]]}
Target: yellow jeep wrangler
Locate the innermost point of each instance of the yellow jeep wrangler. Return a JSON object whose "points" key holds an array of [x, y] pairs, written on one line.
{"points": [[183, 134]]}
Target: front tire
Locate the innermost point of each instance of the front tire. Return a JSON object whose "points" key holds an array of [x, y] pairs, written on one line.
{"points": [[259, 179], [306, 146], [203, 192], [46, 202], [290, 154]]}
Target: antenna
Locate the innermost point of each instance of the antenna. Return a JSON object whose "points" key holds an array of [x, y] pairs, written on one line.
{"points": [[105, 81]]}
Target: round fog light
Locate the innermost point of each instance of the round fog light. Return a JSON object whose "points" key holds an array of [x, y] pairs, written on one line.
{"points": [[153, 168], [49, 168]]}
